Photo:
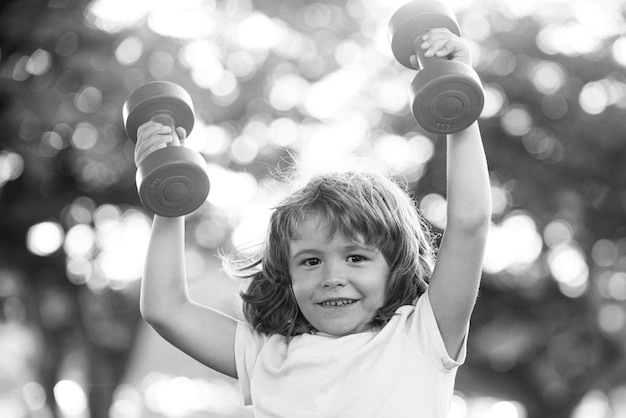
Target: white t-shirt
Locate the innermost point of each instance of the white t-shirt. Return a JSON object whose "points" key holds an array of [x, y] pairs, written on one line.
{"points": [[401, 371]]}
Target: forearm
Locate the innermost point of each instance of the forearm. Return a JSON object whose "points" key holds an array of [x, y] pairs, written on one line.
{"points": [[164, 285], [469, 191]]}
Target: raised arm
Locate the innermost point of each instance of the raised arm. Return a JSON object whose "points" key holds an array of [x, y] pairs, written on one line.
{"points": [[204, 333], [456, 278]]}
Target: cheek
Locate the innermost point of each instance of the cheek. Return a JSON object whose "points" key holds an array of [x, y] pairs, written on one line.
{"points": [[301, 288], [297, 292], [377, 285]]}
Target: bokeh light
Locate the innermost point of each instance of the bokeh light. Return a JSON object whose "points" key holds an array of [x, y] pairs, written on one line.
{"points": [[404, 157], [495, 101], [434, 209], [80, 241], [70, 397], [547, 76], [618, 50], [85, 136], [505, 409], [594, 404], [34, 395], [229, 189], [516, 120], [178, 396], [127, 402], [512, 245], [11, 166], [258, 32], [45, 238], [458, 407], [123, 240], [129, 50], [105, 15], [569, 268], [593, 98]]}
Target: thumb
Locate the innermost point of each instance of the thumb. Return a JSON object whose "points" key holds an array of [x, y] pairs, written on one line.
{"points": [[182, 135]]}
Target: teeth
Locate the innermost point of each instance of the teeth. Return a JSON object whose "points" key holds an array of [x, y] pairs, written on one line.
{"points": [[340, 302]]}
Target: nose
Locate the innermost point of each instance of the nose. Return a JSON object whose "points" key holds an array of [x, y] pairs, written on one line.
{"points": [[333, 277], [333, 283]]}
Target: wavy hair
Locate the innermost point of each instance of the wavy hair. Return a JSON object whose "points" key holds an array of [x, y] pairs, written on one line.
{"points": [[359, 205]]}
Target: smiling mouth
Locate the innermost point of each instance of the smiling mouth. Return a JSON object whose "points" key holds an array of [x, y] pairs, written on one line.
{"points": [[338, 302]]}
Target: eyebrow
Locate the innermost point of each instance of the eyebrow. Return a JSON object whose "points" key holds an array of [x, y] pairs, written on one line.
{"points": [[347, 248], [361, 247], [305, 251]]}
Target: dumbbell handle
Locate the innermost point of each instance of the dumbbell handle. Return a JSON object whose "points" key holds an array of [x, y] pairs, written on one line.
{"points": [[166, 119]]}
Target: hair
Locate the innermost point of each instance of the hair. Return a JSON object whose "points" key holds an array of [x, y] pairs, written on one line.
{"points": [[360, 206]]}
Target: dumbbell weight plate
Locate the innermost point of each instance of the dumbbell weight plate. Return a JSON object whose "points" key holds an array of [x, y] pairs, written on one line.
{"points": [[158, 97], [172, 181], [446, 97], [412, 20]]}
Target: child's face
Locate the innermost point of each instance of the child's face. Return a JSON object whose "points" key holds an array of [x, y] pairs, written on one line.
{"points": [[338, 284]]}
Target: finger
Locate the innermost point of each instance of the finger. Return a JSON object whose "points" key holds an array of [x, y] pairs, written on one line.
{"points": [[437, 35], [152, 135], [444, 50], [440, 48], [141, 154], [182, 135], [438, 32], [152, 128], [146, 143], [148, 126], [159, 141]]}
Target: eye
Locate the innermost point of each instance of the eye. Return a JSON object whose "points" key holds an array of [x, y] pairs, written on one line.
{"points": [[310, 262], [355, 258]]}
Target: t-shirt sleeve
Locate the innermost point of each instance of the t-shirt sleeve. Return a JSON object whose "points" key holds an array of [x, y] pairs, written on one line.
{"points": [[425, 331], [248, 344]]}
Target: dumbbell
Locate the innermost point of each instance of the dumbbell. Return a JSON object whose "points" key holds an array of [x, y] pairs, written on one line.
{"points": [[446, 96], [171, 181]]}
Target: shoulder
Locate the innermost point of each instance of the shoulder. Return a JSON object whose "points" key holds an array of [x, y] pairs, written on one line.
{"points": [[418, 321], [423, 310], [407, 312], [424, 330], [253, 340]]}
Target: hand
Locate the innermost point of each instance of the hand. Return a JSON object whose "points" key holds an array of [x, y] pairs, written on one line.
{"points": [[440, 42], [152, 136]]}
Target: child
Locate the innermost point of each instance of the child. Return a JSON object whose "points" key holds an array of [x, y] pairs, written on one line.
{"points": [[347, 313]]}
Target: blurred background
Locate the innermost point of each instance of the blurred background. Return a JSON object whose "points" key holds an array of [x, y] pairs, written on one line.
{"points": [[314, 80]]}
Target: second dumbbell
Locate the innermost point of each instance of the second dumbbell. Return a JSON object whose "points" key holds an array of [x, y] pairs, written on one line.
{"points": [[446, 96], [171, 181]]}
